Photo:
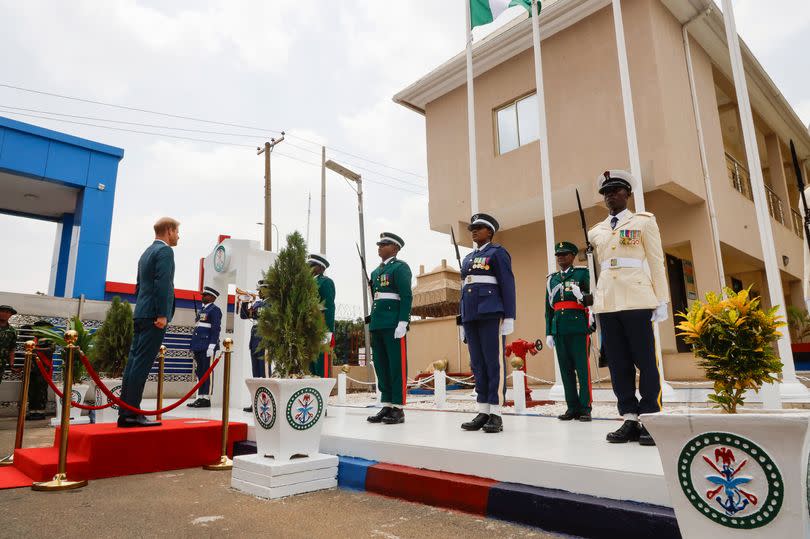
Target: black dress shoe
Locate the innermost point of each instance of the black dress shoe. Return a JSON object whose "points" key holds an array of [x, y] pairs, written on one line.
{"points": [[34, 416], [203, 403], [568, 416], [628, 432], [584, 417], [137, 421], [644, 437], [477, 422], [247, 409], [378, 417], [493, 424], [396, 415]]}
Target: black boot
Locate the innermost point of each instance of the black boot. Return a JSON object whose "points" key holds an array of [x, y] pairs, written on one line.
{"points": [[494, 424], [378, 417], [628, 432], [584, 417], [568, 416], [396, 415], [476, 423], [644, 437]]}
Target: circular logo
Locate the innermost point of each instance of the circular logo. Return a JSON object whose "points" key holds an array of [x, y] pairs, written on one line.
{"points": [[730, 480], [264, 408], [220, 258], [75, 396], [101, 398], [304, 408]]}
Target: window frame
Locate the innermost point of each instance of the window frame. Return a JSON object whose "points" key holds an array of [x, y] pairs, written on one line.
{"points": [[496, 126]]}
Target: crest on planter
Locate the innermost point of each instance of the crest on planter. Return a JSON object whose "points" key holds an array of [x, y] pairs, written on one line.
{"points": [[101, 397], [75, 396], [264, 408], [730, 480], [304, 408]]}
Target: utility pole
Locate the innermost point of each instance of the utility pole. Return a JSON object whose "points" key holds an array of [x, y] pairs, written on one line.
{"points": [[309, 214], [323, 200], [267, 150]]}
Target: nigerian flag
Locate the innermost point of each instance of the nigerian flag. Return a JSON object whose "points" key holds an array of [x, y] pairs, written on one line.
{"points": [[486, 11]]}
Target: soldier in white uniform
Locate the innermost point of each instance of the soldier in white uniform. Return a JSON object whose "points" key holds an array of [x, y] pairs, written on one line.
{"points": [[628, 300]]}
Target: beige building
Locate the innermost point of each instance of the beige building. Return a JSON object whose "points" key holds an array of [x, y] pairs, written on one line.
{"points": [[587, 135]]}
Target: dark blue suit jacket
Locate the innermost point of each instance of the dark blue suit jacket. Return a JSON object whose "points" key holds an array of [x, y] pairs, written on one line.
{"points": [[481, 301], [155, 286]]}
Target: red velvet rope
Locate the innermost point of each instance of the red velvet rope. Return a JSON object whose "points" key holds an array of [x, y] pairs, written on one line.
{"points": [[119, 402], [59, 394]]}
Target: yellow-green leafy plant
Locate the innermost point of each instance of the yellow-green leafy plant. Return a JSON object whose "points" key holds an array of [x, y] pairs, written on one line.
{"points": [[733, 339]]}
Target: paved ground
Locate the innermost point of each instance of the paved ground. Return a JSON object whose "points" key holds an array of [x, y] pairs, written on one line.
{"points": [[196, 503]]}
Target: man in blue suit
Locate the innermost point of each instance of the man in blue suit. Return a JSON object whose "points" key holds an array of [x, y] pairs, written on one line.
{"points": [[154, 308], [487, 316], [205, 343], [251, 310]]}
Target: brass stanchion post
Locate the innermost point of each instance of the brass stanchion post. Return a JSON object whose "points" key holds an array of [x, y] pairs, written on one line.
{"points": [[60, 481], [161, 358], [224, 462], [18, 439]]}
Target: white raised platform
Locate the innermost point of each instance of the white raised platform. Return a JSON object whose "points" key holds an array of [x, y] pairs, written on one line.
{"points": [[267, 478]]}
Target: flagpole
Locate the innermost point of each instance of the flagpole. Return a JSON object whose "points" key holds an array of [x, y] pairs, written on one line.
{"points": [[545, 171], [635, 160], [790, 385], [471, 117]]}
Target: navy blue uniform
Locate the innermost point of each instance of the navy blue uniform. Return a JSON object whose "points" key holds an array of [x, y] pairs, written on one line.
{"points": [[205, 341], [251, 312], [484, 305]]}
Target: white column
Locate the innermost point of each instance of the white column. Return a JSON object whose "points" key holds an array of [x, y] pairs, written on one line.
{"points": [[341, 383], [790, 386], [439, 389], [519, 390]]}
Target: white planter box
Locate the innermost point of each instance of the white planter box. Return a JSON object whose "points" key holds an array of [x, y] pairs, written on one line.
{"points": [[108, 415], [736, 475], [79, 391], [288, 414]]}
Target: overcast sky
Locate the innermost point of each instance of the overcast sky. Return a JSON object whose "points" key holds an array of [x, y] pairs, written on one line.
{"points": [[324, 72]]}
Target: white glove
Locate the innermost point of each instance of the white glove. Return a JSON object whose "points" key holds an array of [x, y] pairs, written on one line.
{"points": [[550, 341], [507, 326], [461, 333], [327, 339], [576, 291], [660, 313], [210, 351], [402, 329]]}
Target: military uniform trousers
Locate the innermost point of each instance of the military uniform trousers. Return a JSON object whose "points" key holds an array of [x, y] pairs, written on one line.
{"points": [[323, 366], [391, 365], [38, 387], [256, 354], [487, 359], [146, 341], [572, 356], [201, 365], [629, 345]]}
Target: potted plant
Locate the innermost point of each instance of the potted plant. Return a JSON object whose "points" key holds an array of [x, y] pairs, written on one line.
{"points": [[289, 408], [85, 340], [799, 324], [735, 473], [110, 353]]}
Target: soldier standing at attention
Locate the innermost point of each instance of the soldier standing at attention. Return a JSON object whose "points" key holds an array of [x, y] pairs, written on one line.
{"points": [[390, 313], [326, 291], [567, 329], [628, 301], [250, 311], [38, 387], [8, 338], [487, 316], [205, 343]]}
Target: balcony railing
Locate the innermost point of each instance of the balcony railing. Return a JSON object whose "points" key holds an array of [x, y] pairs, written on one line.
{"points": [[798, 223], [774, 205], [740, 179]]}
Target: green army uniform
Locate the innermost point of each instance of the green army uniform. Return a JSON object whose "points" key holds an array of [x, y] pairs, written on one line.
{"points": [[37, 386], [567, 322], [391, 288], [8, 343], [326, 291]]}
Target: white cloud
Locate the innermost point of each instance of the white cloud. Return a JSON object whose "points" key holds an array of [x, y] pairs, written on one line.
{"points": [[768, 26]]}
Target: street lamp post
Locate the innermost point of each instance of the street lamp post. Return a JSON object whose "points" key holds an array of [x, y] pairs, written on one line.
{"points": [[274, 228], [355, 177]]}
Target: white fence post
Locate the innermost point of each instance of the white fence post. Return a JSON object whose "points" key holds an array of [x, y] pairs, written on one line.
{"points": [[519, 390], [440, 388], [341, 383]]}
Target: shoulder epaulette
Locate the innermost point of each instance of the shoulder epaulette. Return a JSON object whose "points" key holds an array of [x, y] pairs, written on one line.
{"points": [[644, 214], [581, 268]]}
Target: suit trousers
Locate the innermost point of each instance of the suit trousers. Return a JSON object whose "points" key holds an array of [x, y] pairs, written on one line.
{"points": [[256, 354], [201, 364], [572, 355], [487, 359], [629, 345], [391, 365], [146, 342]]}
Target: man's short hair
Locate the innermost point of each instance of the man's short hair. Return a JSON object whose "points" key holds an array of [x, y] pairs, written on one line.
{"points": [[164, 224]]}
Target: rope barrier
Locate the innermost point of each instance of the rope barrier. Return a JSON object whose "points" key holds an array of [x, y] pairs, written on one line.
{"points": [[59, 394], [126, 406], [461, 380], [359, 382], [530, 377], [423, 381]]}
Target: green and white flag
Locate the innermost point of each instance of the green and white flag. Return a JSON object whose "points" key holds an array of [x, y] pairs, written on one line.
{"points": [[486, 11]]}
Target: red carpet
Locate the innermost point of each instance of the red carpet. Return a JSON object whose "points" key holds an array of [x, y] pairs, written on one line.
{"points": [[104, 450], [11, 477]]}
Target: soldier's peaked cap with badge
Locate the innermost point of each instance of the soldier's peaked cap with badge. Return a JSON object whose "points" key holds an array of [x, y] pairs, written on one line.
{"points": [[320, 260], [8, 308], [484, 219], [262, 284], [615, 178], [565, 247], [211, 291], [390, 237]]}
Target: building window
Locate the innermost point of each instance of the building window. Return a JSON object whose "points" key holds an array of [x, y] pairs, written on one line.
{"points": [[517, 123]]}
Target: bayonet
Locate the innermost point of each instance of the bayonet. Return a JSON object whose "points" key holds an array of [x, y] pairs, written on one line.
{"points": [[455, 245], [800, 180]]}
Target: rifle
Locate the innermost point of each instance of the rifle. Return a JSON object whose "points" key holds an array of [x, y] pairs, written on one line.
{"points": [[196, 311], [601, 358], [455, 244], [800, 181], [365, 271]]}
